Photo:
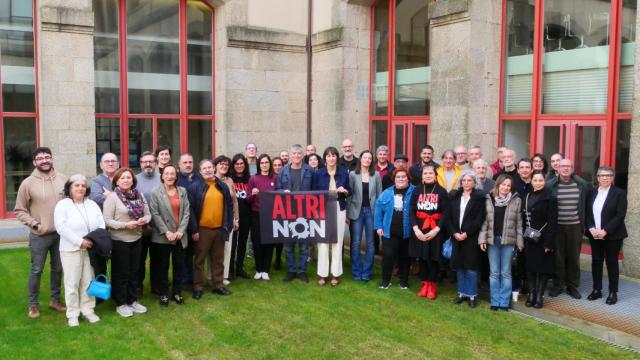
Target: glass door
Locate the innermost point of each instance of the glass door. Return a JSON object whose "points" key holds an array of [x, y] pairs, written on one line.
{"points": [[579, 140], [409, 136]]}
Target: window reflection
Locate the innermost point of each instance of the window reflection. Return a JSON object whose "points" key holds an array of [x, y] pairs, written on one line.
{"points": [[107, 139], [106, 57], [627, 55], [200, 145], [380, 84], [16, 55], [19, 141], [519, 56], [199, 62]]}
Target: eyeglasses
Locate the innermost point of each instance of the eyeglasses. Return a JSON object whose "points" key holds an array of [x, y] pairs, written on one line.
{"points": [[110, 161], [461, 153], [43, 158], [605, 175], [347, 146], [147, 162]]}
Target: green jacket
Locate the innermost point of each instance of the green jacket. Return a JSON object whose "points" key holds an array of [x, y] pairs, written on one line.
{"points": [[584, 187]]}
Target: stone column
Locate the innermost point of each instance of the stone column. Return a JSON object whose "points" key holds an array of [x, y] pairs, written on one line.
{"points": [[465, 73], [631, 247], [66, 83]]}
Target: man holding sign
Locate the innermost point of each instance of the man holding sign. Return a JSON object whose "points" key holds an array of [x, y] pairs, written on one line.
{"points": [[296, 176]]}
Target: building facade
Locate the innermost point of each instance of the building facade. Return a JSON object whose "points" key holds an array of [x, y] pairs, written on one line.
{"points": [[86, 77]]}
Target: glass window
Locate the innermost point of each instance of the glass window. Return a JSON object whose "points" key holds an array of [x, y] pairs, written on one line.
{"points": [[379, 135], [199, 61], [516, 135], [623, 144], [627, 55], [518, 66], [169, 134], [16, 56], [200, 139], [19, 141], [140, 140], [576, 56], [107, 139], [380, 91], [153, 56], [412, 71], [106, 56]]}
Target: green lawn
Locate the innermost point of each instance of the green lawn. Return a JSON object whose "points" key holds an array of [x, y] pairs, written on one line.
{"points": [[274, 320]]}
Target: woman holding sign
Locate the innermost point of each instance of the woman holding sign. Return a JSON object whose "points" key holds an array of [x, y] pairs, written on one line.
{"points": [[264, 180], [428, 206], [333, 178]]}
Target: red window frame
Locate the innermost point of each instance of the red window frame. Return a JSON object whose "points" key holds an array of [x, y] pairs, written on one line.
{"points": [[611, 116], [183, 116], [4, 214], [390, 118]]}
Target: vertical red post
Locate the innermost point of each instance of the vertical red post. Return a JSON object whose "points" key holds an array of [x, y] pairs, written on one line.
{"points": [[124, 90], [538, 53], [183, 76]]}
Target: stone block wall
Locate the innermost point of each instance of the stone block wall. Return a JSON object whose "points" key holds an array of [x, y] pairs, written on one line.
{"points": [[66, 84]]}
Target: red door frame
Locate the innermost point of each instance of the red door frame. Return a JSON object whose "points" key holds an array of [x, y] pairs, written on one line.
{"points": [[183, 116], [4, 214], [568, 135], [611, 116], [390, 117]]}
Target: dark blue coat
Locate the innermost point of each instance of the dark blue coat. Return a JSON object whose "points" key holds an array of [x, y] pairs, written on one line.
{"points": [[283, 182], [197, 192], [321, 182]]}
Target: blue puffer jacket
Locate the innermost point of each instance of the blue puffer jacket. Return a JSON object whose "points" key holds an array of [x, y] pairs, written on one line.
{"points": [[384, 212]]}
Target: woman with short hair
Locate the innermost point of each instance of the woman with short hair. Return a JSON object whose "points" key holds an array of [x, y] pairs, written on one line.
{"points": [[170, 212], [75, 216], [125, 213], [448, 172], [464, 221]]}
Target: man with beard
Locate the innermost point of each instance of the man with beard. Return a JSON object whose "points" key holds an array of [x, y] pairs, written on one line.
{"points": [[508, 164], [348, 160], [148, 179], [36, 200], [426, 158]]}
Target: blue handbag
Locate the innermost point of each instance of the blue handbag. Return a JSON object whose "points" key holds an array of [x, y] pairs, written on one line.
{"points": [[447, 248], [101, 290]]}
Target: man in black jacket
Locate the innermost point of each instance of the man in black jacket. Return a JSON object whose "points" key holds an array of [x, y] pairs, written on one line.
{"points": [[210, 224], [426, 158]]}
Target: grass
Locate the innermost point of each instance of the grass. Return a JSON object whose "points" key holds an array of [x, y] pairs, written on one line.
{"points": [[274, 320]]}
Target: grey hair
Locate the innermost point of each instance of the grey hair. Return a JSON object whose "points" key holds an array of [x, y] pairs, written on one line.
{"points": [[482, 162], [472, 175], [296, 147], [384, 148], [607, 169], [78, 177], [108, 153]]}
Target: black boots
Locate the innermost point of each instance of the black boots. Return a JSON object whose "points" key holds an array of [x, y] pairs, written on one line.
{"points": [[541, 286], [531, 284]]}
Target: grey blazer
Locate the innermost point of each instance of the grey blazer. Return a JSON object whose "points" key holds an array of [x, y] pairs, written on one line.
{"points": [[354, 203], [162, 215]]}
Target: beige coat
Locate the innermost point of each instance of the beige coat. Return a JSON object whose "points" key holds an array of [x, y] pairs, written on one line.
{"points": [[512, 227], [162, 215], [37, 198], [116, 216]]}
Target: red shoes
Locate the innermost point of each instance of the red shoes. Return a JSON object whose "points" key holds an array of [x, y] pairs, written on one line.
{"points": [[429, 290]]}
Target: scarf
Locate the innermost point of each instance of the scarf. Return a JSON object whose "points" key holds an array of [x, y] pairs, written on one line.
{"points": [[132, 200], [332, 179], [502, 201]]}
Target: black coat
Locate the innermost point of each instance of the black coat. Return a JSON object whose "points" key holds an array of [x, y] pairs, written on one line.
{"points": [[465, 254], [612, 216], [437, 202], [543, 209]]}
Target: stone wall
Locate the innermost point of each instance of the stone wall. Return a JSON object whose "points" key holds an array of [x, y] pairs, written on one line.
{"points": [[66, 84], [465, 74]]}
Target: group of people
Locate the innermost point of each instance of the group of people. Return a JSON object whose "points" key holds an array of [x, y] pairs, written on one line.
{"points": [[460, 215]]}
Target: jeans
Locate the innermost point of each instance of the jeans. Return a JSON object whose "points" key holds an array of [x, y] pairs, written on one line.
{"points": [[290, 250], [362, 268], [500, 273], [468, 283], [39, 246]]}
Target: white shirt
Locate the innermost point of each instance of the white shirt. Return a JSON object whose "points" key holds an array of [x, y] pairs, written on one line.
{"points": [[463, 206], [74, 221], [598, 204]]}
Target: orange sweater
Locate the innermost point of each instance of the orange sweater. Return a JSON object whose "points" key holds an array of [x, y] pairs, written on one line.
{"points": [[213, 207]]}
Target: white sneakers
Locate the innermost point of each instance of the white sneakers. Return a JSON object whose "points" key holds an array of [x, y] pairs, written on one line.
{"points": [[73, 321], [261, 275], [515, 295], [92, 318], [124, 311], [226, 282], [137, 308]]}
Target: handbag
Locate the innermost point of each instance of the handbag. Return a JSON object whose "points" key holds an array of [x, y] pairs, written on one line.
{"points": [[447, 248], [101, 290], [531, 234]]}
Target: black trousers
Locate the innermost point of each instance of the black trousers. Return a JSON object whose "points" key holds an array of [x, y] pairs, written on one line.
{"points": [[147, 249], [99, 264], [125, 261], [166, 254], [239, 245], [395, 250], [429, 270], [187, 264], [601, 251], [262, 254]]}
